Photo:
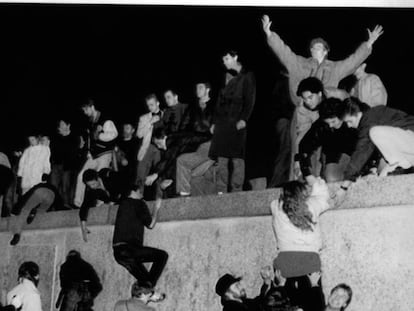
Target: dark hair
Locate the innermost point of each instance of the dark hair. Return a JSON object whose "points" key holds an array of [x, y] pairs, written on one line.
{"points": [[329, 108], [294, 196], [170, 90], [311, 84], [346, 288], [89, 175], [64, 119], [29, 270], [151, 96], [351, 106], [231, 52], [88, 103], [159, 133], [348, 83], [137, 290], [319, 40], [206, 84]]}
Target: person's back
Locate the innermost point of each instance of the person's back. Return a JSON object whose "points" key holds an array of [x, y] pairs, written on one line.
{"points": [[293, 238]]}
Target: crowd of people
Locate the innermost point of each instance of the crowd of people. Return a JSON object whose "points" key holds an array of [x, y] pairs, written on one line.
{"points": [[337, 132]]}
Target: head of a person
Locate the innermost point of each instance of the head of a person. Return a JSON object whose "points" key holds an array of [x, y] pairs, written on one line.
{"points": [[88, 108], [29, 270], [141, 292], [153, 103], [159, 137], [352, 111], [203, 89], [312, 92], [231, 59], [328, 112], [135, 190], [360, 71], [45, 140], [293, 200], [33, 139], [229, 287], [170, 97], [340, 297], [319, 49], [90, 178], [63, 127], [128, 130], [73, 255]]}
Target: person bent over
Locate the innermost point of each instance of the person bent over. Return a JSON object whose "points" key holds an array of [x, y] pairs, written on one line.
{"points": [[132, 216]]}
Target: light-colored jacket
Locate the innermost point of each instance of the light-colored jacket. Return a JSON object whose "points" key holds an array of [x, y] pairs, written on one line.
{"points": [[145, 132], [26, 296], [34, 162], [371, 90], [291, 238]]}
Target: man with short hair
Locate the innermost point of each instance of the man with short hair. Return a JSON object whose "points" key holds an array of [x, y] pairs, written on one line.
{"points": [[369, 88], [26, 296], [100, 143], [148, 154], [126, 152], [390, 130], [201, 116], [176, 116], [140, 297], [171, 146], [132, 216], [96, 194], [64, 158], [233, 109]]}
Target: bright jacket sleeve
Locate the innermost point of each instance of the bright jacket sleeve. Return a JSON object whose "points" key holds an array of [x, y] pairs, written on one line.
{"points": [[109, 131], [348, 66], [318, 201], [144, 126]]}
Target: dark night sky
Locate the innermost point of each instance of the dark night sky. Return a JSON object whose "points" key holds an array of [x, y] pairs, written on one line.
{"points": [[54, 56]]}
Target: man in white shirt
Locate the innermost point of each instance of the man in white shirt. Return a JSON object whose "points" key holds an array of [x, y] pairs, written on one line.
{"points": [[26, 296]]}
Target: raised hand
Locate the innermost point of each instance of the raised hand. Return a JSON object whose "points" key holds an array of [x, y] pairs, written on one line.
{"points": [[266, 22], [374, 34]]}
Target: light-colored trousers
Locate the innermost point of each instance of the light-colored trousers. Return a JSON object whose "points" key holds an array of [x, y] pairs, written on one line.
{"points": [[396, 144]]}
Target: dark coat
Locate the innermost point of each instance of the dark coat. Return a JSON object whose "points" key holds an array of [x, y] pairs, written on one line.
{"points": [[175, 118], [235, 102], [334, 143], [379, 115]]}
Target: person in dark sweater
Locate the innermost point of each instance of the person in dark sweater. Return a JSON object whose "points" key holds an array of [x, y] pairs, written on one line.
{"points": [[79, 284], [41, 198], [65, 149], [390, 130], [335, 138], [95, 195], [132, 216], [171, 146], [127, 151], [176, 117]]}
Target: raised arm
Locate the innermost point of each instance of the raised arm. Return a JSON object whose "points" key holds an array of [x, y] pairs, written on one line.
{"points": [[349, 65], [290, 60]]}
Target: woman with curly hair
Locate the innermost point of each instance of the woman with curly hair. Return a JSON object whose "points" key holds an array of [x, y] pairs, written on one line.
{"points": [[296, 226]]}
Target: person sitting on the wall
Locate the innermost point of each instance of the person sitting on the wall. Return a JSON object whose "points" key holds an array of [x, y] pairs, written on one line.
{"points": [[39, 199], [79, 284]]}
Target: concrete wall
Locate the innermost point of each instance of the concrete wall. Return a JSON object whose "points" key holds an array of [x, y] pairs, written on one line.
{"points": [[367, 243]]}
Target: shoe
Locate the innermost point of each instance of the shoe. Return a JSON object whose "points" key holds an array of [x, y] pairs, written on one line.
{"points": [[157, 297], [184, 194], [401, 171], [31, 216], [166, 183], [15, 239]]}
